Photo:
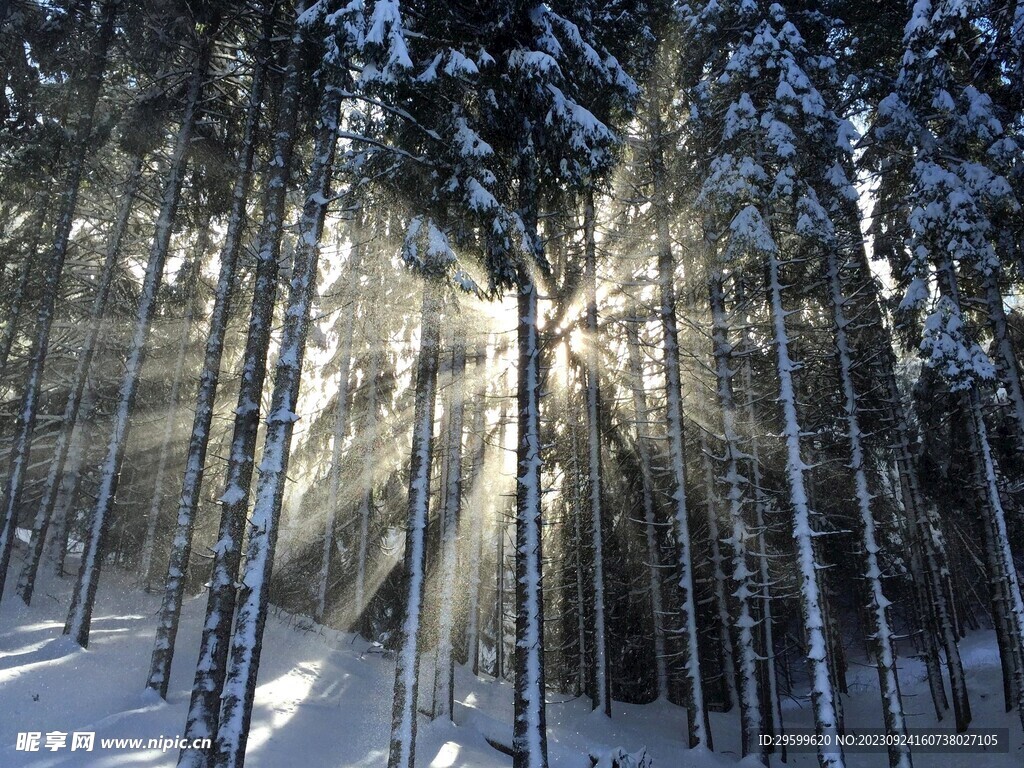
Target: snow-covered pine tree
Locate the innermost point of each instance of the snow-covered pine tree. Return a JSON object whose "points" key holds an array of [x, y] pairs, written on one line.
{"points": [[204, 706], [953, 150], [763, 141], [209, 378], [251, 613], [28, 409], [403, 717], [742, 575], [83, 598], [698, 722], [595, 484], [63, 446]]}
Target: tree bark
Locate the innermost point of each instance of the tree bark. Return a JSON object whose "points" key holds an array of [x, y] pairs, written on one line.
{"points": [[698, 724], [529, 739]]}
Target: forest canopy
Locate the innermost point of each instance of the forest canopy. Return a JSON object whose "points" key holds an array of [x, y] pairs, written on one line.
{"points": [[638, 350]]}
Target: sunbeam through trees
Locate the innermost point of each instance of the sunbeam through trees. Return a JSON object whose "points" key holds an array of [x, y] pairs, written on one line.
{"points": [[622, 383]]}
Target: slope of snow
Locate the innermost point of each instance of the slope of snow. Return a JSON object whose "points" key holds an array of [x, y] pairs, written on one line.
{"points": [[324, 698]]}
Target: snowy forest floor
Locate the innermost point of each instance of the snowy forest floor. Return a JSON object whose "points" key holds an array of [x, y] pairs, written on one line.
{"points": [[324, 698]]}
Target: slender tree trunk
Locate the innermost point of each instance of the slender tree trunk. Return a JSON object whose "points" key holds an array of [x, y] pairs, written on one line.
{"points": [[80, 615], [772, 710], [480, 511], [204, 708], [573, 475], [1008, 605], [826, 723], [28, 410], [880, 635], [190, 277], [366, 483], [209, 379], [444, 667], [1003, 573], [699, 725], [19, 297], [403, 716], [79, 381], [251, 616], [500, 528], [529, 734], [724, 651], [340, 427], [643, 443], [602, 679], [71, 480], [742, 575], [935, 595]]}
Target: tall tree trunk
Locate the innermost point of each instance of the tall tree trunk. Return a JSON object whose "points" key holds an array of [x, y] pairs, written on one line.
{"points": [[699, 726], [643, 444], [880, 634], [204, 707], [71, 480], [746, 587], [578, 541], [772, 710], [1007, 603], [826, 724], [529, 733], [479, 511], [724, 649], [251, 616], [500, 530], [366, 484], [190, 278], [602, 680], [80, 615], [28, 409], [341, 420], [79, 380], [209, 379], [444, 667], [403, 715]]}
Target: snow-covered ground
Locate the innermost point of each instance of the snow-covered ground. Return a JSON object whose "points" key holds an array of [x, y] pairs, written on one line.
{"points": [[324, 698]]}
